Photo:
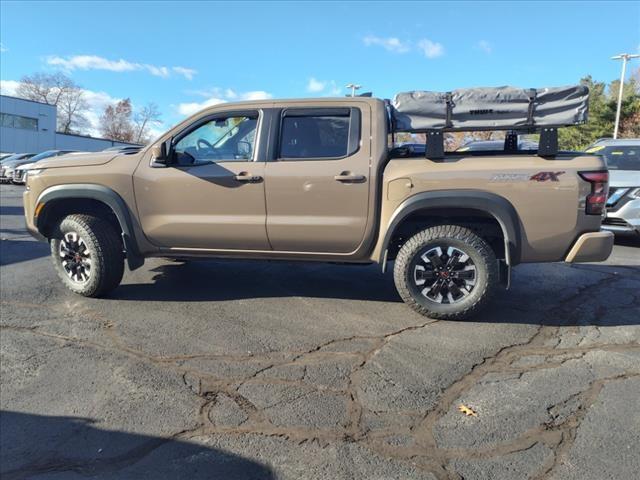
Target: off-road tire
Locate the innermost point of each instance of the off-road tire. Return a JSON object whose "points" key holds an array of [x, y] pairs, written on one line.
{"points": [[105, 247], [487, 276]]}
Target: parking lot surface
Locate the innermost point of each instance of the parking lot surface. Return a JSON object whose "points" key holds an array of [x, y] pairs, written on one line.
{"points": [[260, 370]]}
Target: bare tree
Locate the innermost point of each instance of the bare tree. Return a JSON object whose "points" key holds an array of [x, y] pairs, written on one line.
{"points": [[57, 89], [71, 109], [115, 122], [148, 116]]}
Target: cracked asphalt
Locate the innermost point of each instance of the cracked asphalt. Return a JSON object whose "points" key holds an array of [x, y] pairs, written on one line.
{"points": [[266, 370]]}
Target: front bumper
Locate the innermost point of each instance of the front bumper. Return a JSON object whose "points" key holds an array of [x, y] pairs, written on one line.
{"points": [[625, 219], [6, 176], [591, 247], [29, 218], [19, 177]]}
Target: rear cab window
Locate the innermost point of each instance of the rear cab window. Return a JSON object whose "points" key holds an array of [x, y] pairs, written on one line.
{"points": [[319, 133]]}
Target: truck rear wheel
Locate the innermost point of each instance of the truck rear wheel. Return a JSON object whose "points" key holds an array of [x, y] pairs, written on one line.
{"points": [[87, 254], [446, 272]]}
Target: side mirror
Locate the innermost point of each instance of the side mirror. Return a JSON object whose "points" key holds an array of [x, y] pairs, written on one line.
{"points": [[159, 154]]}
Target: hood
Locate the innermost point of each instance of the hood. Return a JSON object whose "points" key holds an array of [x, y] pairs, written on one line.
{"points": [[26, 166], [16, 163], [77, 160], [624, 178]]}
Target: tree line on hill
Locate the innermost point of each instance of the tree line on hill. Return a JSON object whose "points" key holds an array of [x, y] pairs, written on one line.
{"points": [[119, 121]]}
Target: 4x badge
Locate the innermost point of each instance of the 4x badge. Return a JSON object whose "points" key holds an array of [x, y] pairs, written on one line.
{"points": [[546, 176]]}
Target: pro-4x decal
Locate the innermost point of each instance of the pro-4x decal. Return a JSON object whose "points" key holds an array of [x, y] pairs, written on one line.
{"points": [[546, 176]]}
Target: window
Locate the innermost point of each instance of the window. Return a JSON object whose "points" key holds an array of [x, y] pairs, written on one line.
{"points": [[225, 139], [622, 157], [7, 120], [308, 134], [18, 121]]}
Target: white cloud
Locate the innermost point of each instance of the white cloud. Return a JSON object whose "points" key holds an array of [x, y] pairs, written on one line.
{"points": [[431, 49], [256, 95], [333, 90], [8, 87], [315, 86], [3, 48], [190, 108], [187, 73], [329, 88], [484, 46], [392, 44], [94, 62], [215, 96]]}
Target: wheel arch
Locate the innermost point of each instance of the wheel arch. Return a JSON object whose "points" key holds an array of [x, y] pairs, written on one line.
{"points": [[56, 201], [484, 203]]}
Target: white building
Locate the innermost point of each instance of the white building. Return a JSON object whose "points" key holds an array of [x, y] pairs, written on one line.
{"points": [[30, 127]]}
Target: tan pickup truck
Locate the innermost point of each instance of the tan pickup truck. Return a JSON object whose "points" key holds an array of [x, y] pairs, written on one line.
{"points": [[316, 180]]}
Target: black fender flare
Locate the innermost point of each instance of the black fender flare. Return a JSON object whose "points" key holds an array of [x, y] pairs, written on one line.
{"points": [[104, 195], [495, 205]]}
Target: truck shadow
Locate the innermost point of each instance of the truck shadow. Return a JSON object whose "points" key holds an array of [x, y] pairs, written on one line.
{"points": [[11, 210], [538, 295], [208, 280], [40, 444]]}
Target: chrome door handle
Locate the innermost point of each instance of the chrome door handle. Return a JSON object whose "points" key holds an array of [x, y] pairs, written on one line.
{"points": [[350, 178], [247, 177]]}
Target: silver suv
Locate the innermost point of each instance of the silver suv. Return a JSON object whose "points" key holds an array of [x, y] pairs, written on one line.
{"points": [[623, 204]]}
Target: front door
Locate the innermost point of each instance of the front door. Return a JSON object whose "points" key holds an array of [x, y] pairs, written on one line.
{"points": [[211, 195], [317, 186]]}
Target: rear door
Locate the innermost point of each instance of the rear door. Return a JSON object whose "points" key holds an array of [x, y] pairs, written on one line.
{"points": [[317, 184]]}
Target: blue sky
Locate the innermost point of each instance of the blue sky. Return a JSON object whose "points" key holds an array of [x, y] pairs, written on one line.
{"points": [[183, 55]]}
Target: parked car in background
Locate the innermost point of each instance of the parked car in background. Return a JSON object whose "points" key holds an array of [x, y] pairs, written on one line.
{"points": [[16, 171], [5, 155], [15, 156], [494, 145], [623, 204], [9, 163]]}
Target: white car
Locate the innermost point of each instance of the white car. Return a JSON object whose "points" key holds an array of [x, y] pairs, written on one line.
{"points": [[17, 172], [20, 173], [623, 203]]}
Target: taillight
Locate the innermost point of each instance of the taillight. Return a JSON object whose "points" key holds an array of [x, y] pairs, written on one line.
{"points": [[597, 199]]}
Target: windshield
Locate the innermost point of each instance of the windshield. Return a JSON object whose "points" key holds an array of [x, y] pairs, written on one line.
{"points": [[17, 156], [43, 155], [620, 157]]}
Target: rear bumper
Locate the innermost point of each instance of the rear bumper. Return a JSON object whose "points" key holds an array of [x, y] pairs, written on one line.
{"points": [[591, 247]]}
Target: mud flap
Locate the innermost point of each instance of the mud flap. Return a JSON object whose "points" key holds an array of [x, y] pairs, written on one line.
{"points": [[505, 274]]}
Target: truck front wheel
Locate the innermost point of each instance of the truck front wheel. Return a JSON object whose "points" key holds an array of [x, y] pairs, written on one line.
{"points": [[87, 255], [446, 272]]}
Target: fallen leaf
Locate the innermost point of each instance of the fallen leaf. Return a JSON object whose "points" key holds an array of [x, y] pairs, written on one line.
{"points": [[467, 411]]}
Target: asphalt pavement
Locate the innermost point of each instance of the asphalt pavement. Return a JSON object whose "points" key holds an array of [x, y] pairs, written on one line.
{"points": [[270, 370]]}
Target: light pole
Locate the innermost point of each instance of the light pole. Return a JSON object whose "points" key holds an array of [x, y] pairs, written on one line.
{"points": [[625, 58], [353, 88]]}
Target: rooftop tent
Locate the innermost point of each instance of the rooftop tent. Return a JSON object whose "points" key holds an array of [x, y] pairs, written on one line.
{"points": [[500, 108]]}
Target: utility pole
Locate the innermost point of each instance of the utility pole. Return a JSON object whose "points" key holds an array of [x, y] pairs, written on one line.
{"points": [[625, 58], [353, 88]]}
